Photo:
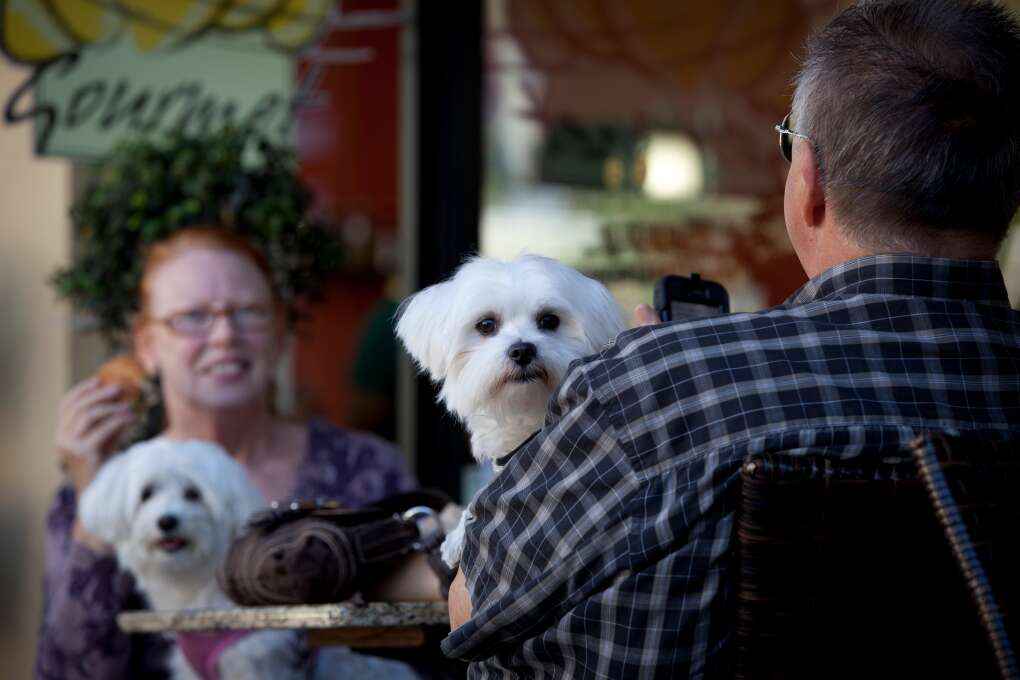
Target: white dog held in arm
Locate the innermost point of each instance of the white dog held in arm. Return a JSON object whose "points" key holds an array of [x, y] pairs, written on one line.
{"points": [[172, 509], [499, 336]]}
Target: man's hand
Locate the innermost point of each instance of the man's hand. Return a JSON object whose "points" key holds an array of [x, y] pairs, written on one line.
{"points": [[644, 315], [460, 602]]}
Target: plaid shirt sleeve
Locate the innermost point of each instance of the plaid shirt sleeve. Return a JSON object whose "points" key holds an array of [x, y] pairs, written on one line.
{"points": [[554, 522]]}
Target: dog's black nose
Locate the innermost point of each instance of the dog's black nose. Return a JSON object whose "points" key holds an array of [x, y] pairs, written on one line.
{"points": [[521, 353], [167, 523]]}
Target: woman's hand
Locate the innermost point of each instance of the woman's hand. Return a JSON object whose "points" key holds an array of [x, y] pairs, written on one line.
{"points": [[90, 421]]}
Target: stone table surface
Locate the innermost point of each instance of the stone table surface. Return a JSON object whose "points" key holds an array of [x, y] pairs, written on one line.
{"points": [[305, 617]]}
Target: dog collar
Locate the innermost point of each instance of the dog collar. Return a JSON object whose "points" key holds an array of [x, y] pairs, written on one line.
{"points": [[502, 462]]}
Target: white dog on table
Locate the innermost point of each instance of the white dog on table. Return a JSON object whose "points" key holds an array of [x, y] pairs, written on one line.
{"points": [[499, 336], [172, 509]]}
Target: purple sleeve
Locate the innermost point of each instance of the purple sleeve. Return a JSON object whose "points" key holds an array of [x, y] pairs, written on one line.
{"points": [[351, 467], [82, 593]]}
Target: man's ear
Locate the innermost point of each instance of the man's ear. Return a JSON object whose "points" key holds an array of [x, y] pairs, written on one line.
{"points": [[811, 195]]}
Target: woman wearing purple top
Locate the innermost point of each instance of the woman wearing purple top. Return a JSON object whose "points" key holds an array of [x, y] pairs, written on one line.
{"points": [[211, 325]]}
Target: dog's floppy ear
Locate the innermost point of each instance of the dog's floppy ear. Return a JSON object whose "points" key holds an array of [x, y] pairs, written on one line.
{"points": [[423, 325], [103, 506], [224, 483], [243, 499], [601, 317]]}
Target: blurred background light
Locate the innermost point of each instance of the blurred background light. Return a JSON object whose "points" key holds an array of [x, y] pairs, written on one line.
{"points": [[673, 167]]}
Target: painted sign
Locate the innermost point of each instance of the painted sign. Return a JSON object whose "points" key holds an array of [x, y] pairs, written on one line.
{"points": [[107, 69]]}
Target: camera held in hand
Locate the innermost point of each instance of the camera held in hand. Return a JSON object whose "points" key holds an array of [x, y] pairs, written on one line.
{"points": [[679, 298]]}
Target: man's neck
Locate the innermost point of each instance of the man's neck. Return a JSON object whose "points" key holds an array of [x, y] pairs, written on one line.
{"points": [[834, 248], [832, 252], [961, 245]]}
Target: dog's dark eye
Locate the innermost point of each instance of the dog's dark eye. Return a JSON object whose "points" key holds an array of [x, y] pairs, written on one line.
{"points": [[192, 494], [486, 326], [147, 492], [548, 322]]}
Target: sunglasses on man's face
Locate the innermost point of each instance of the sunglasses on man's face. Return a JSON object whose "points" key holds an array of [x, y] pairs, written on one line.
{"points": [[786, 138]]}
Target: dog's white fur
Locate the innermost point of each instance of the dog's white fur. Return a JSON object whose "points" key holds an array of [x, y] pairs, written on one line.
{"points": [[203, 498], [501, 403]]}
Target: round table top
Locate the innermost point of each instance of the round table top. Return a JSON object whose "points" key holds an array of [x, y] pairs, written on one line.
{"points": [[302, 617]]}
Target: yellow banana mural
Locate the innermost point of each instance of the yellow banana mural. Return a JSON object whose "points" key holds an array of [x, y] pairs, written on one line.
{"points": [[39, 31]]}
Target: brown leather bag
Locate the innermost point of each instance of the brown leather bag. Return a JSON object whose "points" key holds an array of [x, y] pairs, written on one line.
{"points": [[320, 552]]}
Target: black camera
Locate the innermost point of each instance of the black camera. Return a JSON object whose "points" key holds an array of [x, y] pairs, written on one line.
{"points": [[679, 298]]}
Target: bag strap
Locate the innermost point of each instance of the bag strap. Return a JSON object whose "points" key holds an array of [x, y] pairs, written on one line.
{"points": [[282, 512], [384, 540], [390, 528]]}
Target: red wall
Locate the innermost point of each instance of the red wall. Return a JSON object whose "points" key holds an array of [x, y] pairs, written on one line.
{"points": [[348, 148]]}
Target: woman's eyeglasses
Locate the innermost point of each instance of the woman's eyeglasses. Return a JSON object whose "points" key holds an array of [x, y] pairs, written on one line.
{"points": [[785, 141], [198, 322]]}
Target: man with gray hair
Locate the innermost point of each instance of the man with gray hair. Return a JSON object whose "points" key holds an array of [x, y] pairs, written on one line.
{"points": [[602, 549]]}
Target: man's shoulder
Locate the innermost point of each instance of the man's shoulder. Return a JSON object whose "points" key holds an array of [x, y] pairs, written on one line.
{"points": [[804, 333], [905, 360], [716, 330], [639, 352]]}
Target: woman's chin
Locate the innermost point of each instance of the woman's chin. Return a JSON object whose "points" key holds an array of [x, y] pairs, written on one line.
{"points": [[222, 397]]}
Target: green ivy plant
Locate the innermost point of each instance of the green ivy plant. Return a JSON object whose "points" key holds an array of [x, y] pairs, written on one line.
{"points": [[144, 190]]}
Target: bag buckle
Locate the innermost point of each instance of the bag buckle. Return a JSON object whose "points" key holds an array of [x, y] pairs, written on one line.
{"points": [[427, 521]]}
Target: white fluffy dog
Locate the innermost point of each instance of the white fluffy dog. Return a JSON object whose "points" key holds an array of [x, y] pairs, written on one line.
{"points": [[172, 509], [499, 336]]}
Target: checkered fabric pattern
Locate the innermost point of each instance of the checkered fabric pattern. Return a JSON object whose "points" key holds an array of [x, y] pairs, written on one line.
{"points": [[601, 550]]}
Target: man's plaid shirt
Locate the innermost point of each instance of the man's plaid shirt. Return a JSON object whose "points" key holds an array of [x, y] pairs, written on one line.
{"points": [[600, 550]]}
